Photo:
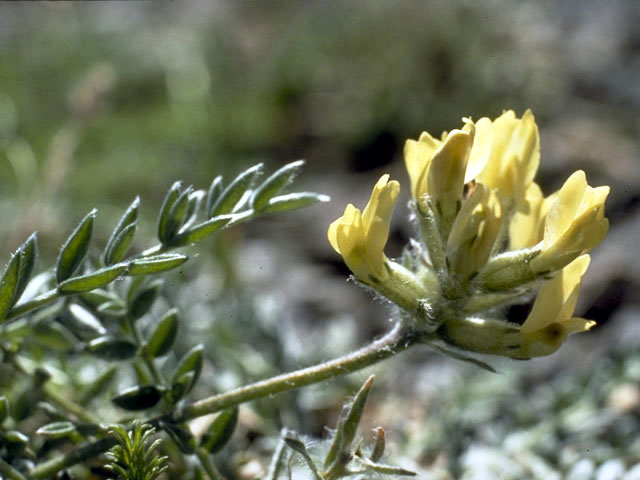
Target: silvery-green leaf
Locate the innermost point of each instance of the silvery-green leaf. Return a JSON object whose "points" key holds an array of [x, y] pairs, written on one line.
{"points": [[198, 232], [163, 335], [195, 200], [163, 219], [143, 299], [91, 281], [273, 185], [129, 218], [231, 195], [386, 469], [82, 322], [110, 348], [181, 386], [299, 447], [292, 201], [97, 297], [156, 263], [57, 429], [140, 397], [118, 247], [220, 430], [181, 436], [347, 426], [75, 248], [28, 256], [379, 447], [213, 194], [9, 285], [190, 362], [113, 308], [4, 408], [178, 214]]}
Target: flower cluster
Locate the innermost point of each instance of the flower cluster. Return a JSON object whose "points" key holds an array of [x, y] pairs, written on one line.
{"points": [[489, 238]]}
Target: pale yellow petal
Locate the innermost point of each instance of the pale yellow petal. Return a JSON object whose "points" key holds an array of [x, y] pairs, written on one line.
{"points": [[417, 156], [445, 179], [564, 207], [481, 149], [525, 229], [378, 220], [557, 297]]}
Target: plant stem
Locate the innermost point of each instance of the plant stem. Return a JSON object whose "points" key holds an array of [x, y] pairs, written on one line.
{"points": [[398, 339], [393, 342]]}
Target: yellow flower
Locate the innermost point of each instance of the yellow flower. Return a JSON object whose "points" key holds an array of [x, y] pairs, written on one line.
{"points": [[574, 224], [474, 232], [526, 226], [514, 155], [551, 319], [438, 168], [360, 237]]}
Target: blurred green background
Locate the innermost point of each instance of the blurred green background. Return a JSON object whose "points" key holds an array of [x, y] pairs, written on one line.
{"points": [[101, 101]]}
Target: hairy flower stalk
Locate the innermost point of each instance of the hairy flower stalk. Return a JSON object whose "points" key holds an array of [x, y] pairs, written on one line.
{"points": [[490, 239]]}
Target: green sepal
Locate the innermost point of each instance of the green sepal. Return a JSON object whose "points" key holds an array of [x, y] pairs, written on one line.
{"points": [[273, 185], [164, 334], [4, 408], [142, 301], [9, 285], [163, 219], [347, 426], [156, 263], [91, 281], [140, 397], [57, 430], [229, 198], [190, 362], [182, 437], [119, 241], [198, 232], [215, 189], [111, 348], [82, 322], [28, 256], [293, 201], [220, 430], [75, 248]]}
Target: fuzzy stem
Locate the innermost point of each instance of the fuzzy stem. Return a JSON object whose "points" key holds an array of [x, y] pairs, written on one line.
{"points": [[395, 341], [398, 339]]}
